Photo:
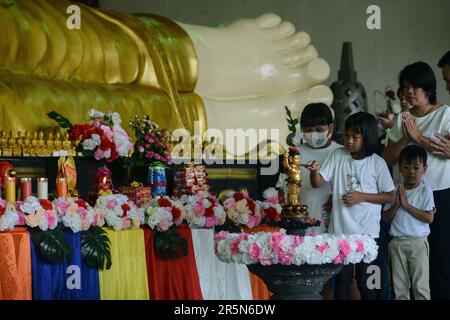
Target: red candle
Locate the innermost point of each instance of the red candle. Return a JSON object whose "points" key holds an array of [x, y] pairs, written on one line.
{"points": [[25, 188]]}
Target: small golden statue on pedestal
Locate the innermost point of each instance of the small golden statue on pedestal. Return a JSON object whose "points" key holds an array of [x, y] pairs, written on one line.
{"points": [[6, 150], [34, 150], [27, 146], [293, 208]]}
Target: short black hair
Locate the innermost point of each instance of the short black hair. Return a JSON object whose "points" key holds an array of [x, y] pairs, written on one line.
{"points": [[420, 75], [400, 93], [445, 60], [365, 124], [316, 114], [413, 152]]}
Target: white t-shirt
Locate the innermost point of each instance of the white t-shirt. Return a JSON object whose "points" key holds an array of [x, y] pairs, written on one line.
{"points": [[369, 175], [314, 198], [437, 177], [404, 224]]}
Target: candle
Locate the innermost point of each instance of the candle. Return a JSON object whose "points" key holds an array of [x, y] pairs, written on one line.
{"points": [[10, 190], [25, 188], [104, 187], [42, 187], [61, 188]]}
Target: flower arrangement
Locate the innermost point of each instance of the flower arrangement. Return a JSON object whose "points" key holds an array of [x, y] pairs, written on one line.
{"points": [[8, 216], [203, 210], [103, 137], [39, 213], [162, 213], [78, 215], [242, 210], [279, 248], [293, 151], [152, 143], [119, 212], [271, 206]]}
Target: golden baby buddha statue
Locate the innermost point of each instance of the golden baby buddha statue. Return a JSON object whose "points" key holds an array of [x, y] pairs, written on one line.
{"points": [[291, 167]]}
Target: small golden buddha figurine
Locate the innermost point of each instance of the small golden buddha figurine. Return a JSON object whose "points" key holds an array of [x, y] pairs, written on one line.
{"points": [[42, 146], [5, 150], [34, 150], [12, 143], [57, 143], [17, 151], [291, 165], [50, 144], [27, 146], [68, 146]]}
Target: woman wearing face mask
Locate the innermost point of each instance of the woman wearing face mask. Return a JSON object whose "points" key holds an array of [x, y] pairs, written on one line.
{"points": [[316, 124]]}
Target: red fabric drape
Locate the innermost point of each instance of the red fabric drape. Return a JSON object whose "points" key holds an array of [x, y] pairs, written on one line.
{"points": [[172, 279]]}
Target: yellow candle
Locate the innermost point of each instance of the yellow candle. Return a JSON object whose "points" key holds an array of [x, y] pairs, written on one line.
{"points": [[10, 190]]}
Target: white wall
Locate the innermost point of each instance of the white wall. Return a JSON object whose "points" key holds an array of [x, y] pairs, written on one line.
{"points": [[411, 30]]}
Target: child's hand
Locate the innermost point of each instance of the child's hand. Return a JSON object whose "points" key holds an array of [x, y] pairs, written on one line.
{"points": [[313, 166], [352, 198], [403, 197]]}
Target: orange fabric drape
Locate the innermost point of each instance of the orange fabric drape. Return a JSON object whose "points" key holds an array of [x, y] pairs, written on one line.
{"points": [[259, 288], [172, 279], [15, 265]]}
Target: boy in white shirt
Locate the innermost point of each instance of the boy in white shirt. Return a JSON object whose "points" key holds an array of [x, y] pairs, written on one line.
{"points": [[411, 215], [316, 123]]}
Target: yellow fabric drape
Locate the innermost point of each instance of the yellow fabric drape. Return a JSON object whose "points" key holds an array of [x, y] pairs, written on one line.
{"points": [[127, 278]]}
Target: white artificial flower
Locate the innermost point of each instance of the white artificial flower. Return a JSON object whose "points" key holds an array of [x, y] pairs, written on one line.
{"points": [[9, 219], [269, 193], [95, 114], [30, 206], [115, 118], [89, 144], [96, 138], [43, 223]]}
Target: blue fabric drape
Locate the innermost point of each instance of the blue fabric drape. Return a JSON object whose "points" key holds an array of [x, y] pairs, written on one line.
{"points": [[58, 281]]}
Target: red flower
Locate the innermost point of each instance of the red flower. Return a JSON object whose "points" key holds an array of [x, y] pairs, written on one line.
{"points": [[81, 203], [176, 213], [272, 214], [162, 202], [209, 212], [114, 153], [390, 94], [125, 208], [105, 143], [251, 205], [45, 204], [238, 196], [2, 211], [77, 130]]}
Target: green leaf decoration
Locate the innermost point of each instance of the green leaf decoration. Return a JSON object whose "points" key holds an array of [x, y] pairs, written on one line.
{"points": [[63, 122], [96, 248], [51, 244], [291, 122], [170, 244], [228, 226]]}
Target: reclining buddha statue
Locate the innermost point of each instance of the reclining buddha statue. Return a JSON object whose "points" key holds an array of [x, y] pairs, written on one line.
{"points": [[238, 76]]}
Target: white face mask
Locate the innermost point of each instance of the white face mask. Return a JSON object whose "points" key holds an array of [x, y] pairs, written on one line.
{"points": [[316, 139]]}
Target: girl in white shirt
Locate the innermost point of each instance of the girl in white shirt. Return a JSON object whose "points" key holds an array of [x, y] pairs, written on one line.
{"points": [[361, 184]]}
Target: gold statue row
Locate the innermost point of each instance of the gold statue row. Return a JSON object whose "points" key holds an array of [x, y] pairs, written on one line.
{"points": [[38, 144]]}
